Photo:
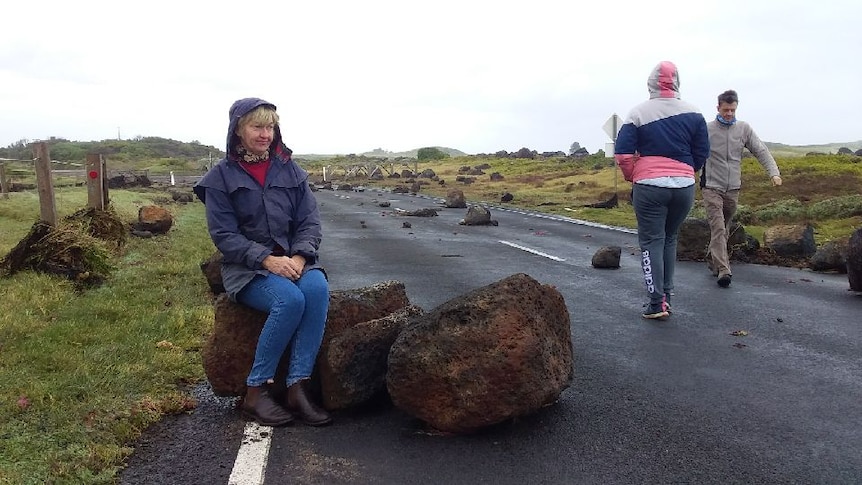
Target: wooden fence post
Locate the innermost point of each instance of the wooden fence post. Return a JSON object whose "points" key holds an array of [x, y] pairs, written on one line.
{"points": [[44, 183], [97, 189], [4, 184]]}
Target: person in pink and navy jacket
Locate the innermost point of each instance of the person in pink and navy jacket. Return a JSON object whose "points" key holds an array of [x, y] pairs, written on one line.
{"points": [[660, 146]]}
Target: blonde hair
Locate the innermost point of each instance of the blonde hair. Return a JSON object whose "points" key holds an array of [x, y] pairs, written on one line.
{"points": [[261, 115]]}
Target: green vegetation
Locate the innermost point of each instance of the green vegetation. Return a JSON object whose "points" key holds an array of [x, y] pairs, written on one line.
{"points": [[431, 153], [82, 373], [159, 155], [822, 190]]}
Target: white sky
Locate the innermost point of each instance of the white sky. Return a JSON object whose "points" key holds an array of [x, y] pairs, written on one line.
{"points": [[479, 76]]}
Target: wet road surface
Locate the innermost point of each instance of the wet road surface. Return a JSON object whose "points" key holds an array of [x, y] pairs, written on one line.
{"points": [[681, 401]]}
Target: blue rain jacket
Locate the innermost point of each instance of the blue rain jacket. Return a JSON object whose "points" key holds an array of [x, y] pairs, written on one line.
{"points": [[248, 221]]}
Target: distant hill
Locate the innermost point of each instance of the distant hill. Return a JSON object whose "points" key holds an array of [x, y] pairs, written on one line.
{"points": [[381, 153], [782, 150], [138, 149], [149, 149]]}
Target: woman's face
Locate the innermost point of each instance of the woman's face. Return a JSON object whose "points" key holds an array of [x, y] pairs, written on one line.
{"points": [[257, 137]]}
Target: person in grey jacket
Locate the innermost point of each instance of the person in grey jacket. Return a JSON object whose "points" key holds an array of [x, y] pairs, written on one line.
{"points": [[263, 218], [721, 178]]}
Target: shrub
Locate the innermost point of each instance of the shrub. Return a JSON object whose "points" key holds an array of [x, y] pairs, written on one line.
{"points": [[431, 153], [837, 207]]}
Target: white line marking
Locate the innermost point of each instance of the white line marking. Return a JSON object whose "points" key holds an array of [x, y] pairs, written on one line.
{"points": [[524, 248], [250, 465]]}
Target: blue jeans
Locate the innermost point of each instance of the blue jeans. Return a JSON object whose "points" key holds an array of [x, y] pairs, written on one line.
{"points": [[660, 212], [297, 316]]}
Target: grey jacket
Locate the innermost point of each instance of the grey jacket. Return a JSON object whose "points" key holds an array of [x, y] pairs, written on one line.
{"points": [[247, 221], [722, 170]]}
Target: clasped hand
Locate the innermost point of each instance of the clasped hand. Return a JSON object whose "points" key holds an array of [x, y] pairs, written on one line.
{"points": [[289, 267]]}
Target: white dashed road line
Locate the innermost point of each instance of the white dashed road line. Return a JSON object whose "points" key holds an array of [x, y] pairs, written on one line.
{"points": [[250, 465], [529, 250]]}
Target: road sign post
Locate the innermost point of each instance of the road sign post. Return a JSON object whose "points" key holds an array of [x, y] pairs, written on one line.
{"points": [[612, 128]]}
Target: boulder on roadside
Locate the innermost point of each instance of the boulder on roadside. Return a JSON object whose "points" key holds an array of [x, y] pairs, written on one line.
{"points": [[694, 236], [831, 256], [854, 260], [228, 351], [495, 353], [455, 199], [795, 241], [478, 216], [607, 257], [352, 367]]}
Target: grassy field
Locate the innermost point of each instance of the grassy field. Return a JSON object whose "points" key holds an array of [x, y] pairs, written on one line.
{"points": [[84, 372]]}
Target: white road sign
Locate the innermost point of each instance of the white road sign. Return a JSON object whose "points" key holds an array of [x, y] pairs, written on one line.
{"points": [[612, 126]]}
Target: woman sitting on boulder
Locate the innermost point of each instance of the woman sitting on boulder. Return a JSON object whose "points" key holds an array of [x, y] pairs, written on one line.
{"points": [[263, 218]]}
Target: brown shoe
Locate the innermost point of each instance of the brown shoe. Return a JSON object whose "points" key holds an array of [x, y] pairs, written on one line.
{"points": [[299, 402], [259, 406]]}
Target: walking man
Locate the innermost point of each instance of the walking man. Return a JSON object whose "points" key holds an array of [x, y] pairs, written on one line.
{"points": [[721, 178]]}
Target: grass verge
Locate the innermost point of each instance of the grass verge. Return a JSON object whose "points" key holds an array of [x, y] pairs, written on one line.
{"points": [[82, 373]]}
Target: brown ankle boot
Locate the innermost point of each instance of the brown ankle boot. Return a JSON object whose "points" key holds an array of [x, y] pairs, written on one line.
{"points": [[259, 406], [299, 402]]}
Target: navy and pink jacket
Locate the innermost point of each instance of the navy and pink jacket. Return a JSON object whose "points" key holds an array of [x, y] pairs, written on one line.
{"points": [[664, 136]]}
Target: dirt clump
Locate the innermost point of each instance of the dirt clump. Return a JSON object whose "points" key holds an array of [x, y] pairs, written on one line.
{"points": [[79, 248]]}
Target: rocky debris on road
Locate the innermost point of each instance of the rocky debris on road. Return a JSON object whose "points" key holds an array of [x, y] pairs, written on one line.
{"points": [[607, 257], [228, 350], [427, 212], [513, 336], [495, 353], [791, 240], [478, 216], [831, 256], [352, 367], [455, 199]]}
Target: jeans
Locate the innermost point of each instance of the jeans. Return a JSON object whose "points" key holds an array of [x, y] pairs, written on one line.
{"points": [[660, 212], [297, 317], [720, 208]]}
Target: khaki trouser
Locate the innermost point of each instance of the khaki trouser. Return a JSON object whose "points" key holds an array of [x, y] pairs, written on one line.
{"points": [[720, 208]]}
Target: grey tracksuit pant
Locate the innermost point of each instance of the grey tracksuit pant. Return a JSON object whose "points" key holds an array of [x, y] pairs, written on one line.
{"points": [[660, 212]]}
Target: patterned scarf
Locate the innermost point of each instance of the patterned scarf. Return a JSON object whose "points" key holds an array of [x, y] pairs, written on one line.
{"points": [[246, 156], [724, 121]]}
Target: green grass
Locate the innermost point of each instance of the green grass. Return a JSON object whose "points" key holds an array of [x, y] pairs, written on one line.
{"points": [[821, 190], [83, 373]]}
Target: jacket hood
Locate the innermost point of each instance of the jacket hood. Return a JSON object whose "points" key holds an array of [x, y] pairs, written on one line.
{"points": [[663, 82], [239, 109]]}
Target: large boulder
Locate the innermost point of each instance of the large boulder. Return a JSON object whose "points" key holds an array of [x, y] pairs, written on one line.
{"points": [[154, 219], [455, 199], [478, 216], [495, 353], [352, 367], [794, 241], [607, 257], [228, 351], [854, 260], [694, 235], [212, 272], [831, 256]]}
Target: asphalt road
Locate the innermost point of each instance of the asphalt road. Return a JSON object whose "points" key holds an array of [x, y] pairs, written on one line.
{"points": [[681, 401]]}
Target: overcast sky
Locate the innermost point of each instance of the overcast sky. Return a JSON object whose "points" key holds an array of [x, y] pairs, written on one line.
{"points": [[479, 76]]}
